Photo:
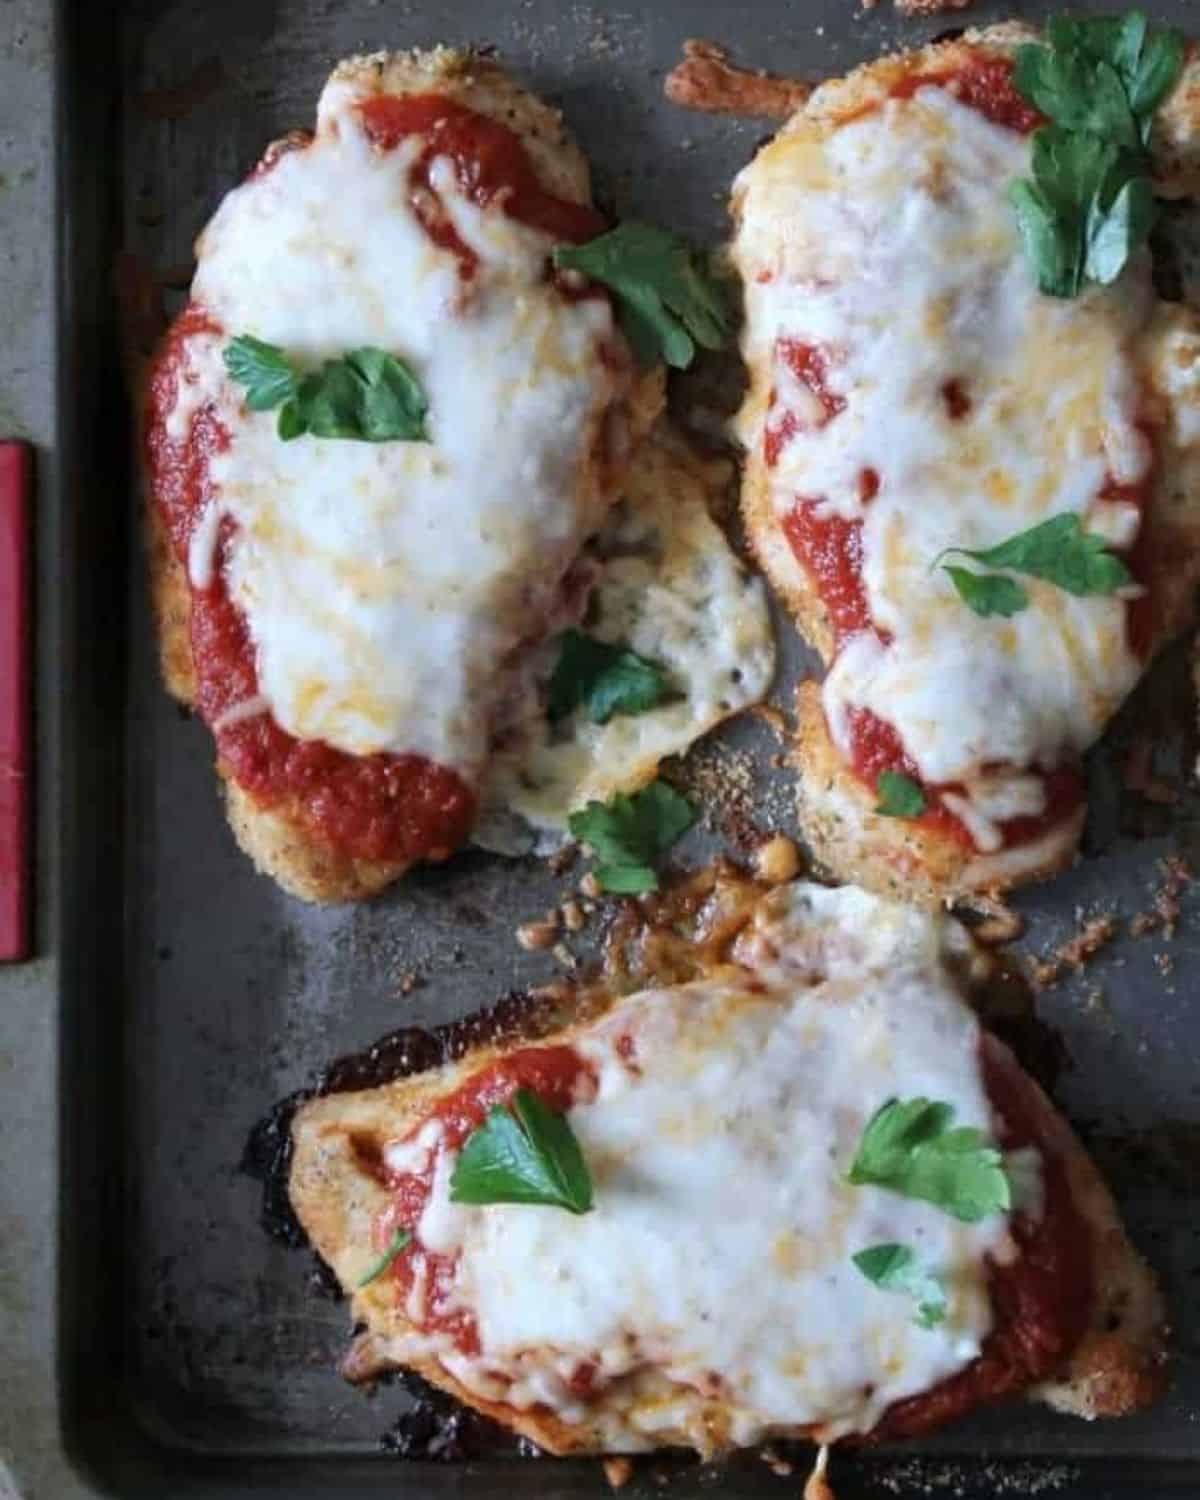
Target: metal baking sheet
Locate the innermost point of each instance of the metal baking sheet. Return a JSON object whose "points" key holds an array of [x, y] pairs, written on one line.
{"points": [[198, 1357]]}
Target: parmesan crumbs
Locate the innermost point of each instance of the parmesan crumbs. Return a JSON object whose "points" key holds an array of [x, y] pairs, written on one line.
{"points": [[1096, 933], [1163, 914]]}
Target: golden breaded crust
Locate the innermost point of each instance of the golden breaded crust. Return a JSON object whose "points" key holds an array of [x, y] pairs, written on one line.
{"points": [[903, 859], [277, 838], [1121, 1363], [1175, 134], [895, 856], [482, 85]]}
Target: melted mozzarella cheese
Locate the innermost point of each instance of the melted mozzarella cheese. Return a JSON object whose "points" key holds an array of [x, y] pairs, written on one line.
{"points": [[712, 1286], [387, 585], [889, 243], [669, 586]]}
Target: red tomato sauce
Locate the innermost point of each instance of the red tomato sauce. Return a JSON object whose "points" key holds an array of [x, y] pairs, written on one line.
{"points": [[810, 365], [561, 1078], [986, 84], [877, 748], [1041, 1300], [830, 548], [491, 164]]}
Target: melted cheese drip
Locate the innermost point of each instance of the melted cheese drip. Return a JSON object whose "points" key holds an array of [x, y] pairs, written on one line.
{"points": [[890, 244], [712, 1286], [386, 585], [669, 586]]}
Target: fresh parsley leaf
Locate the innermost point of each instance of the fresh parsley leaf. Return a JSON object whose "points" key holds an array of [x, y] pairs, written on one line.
{"points": [[263, 369], [666, 301], [895, 1268], [368, 395], [1147, 64], [291, 422], [1076, 90], [988, 593], [1085, 212], [1090, 204], [626, 880], [1154, 75], [1061, 552], [400, 1241], [909, 1148], [899, 795], [1071, 168], [606, 679], [1051, 246], [1115, 232], [524, 1152], [627, 833]]}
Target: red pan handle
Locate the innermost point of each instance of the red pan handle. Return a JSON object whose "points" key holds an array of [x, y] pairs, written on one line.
{"points": [[16, 752]]}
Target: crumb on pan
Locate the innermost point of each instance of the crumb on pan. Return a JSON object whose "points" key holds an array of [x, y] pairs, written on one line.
{"points": [[777, 860], [929, 7], [572, 915], [776, 721], [618, 1472], [542, 933], [1096, 933], [734, 799], [707, 80], [1163, 913]]}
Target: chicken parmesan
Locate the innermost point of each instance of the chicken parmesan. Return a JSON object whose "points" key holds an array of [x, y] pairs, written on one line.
{"points": [[377, 440], [790, 1189], [977, 499]]}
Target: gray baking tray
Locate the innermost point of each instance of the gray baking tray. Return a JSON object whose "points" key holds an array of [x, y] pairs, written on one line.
{"points": [[198, 1355]]}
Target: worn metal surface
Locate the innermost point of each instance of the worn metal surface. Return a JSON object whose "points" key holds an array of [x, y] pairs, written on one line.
{"points": [[195, 994], [31, 1457]]}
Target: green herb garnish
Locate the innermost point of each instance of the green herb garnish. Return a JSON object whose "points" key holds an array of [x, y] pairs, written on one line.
{"points": [[523, 1153], [400, 1241], [895, 1268], [1090, 203], [263, 369], [899, 795], [1058, 550], [627, 833], [367, 395], [604, 678], [988, 593], [667, 303], [910, 1149]]}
